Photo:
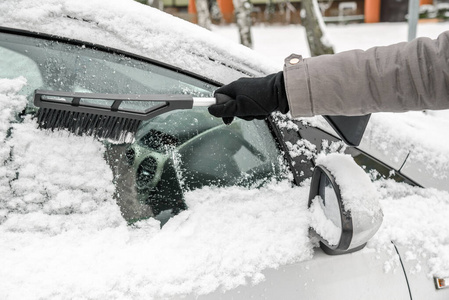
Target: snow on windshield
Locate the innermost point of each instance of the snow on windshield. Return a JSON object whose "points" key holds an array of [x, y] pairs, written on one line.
{"points": [[40, 193], [418, 136], [62, 234]]}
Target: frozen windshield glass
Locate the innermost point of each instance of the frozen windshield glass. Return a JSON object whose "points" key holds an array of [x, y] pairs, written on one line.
{"points": [[172, 153], [52, 65]]}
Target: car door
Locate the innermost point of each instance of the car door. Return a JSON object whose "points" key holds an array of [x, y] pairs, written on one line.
{"points": [[360, 275], [305, 141]]}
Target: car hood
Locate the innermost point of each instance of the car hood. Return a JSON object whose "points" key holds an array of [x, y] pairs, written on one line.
{"points": [[132, 27]]}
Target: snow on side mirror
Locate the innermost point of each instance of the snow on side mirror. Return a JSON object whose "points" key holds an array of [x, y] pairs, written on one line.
{"points": [[343, 204]]}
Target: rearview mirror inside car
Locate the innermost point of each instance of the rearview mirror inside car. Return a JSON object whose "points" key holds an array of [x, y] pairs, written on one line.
{"points": [[341, 223]]}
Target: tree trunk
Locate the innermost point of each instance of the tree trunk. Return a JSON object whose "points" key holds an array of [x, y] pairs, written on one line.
{"points": [[312, 20], [159, 4], [243, 19], [202, 8]]}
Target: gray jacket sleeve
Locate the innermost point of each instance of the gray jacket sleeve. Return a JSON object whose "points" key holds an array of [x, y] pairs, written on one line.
{"points": [[396, 78]]}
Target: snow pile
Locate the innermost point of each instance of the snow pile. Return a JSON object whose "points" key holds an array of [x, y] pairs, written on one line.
{"points": [[322, 225], [10, 102], [51, 182], [225, 239], [357, 191], [62, 182], [358, 195], [416, 219], [10, 105]]}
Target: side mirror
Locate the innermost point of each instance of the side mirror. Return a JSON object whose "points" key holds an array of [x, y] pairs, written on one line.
{"points": [[350, 129], [343, 225]]}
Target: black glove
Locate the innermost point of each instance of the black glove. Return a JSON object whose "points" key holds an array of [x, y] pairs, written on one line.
{"points": [[250, 98]]}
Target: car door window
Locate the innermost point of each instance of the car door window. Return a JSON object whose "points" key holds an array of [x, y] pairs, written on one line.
{"points": [[315, 136], [172, 153]]}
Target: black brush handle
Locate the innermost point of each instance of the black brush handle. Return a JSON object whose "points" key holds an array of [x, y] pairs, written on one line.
{"points": [[69, 101]]}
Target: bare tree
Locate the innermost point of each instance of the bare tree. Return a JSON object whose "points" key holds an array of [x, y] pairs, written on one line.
{"points": [[202, 8], [159, 4], [289, 9], [324, 5], [242, 10], [312, 20]]}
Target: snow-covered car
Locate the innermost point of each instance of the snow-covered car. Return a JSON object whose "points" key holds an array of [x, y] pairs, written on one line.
{"points": [[233, 201]]}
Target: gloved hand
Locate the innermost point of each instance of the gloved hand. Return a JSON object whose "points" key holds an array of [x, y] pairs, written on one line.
{"points": [[251, 98]]}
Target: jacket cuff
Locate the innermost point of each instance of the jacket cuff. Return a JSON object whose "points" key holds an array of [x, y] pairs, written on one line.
{"points": [[297, 86]]}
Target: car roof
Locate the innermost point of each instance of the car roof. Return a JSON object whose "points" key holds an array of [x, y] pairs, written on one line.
{"points": [[140, 29]]}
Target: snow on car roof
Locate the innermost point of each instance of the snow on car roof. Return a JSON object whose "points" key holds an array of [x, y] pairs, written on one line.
{"points": [[130, 26]]}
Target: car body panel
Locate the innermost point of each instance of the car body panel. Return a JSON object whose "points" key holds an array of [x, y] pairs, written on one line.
{"points": [[421, 283], [325, 277], [421, 172]]}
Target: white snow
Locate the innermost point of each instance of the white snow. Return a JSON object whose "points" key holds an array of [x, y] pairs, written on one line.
{"points": [[416, 134], [358, 194], [416, 219], [322, 224], [225, 239], [10, 102], [132, 27], [62, 235], [357, 190]]}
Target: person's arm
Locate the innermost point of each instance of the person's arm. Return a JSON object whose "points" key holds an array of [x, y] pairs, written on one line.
{"points": [[395, 78]]}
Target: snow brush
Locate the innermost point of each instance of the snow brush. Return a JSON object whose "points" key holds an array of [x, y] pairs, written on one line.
{"points": [[114, 117]]}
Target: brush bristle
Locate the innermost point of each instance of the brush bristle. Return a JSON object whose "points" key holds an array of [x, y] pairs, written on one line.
{"points": [[117, 129]]}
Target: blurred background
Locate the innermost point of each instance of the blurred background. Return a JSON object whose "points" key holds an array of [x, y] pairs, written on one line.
{"points": [[278, 28], [288, 12]]}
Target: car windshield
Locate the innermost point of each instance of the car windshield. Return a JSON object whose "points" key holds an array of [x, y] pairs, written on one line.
{"points": [[172, 153]]}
